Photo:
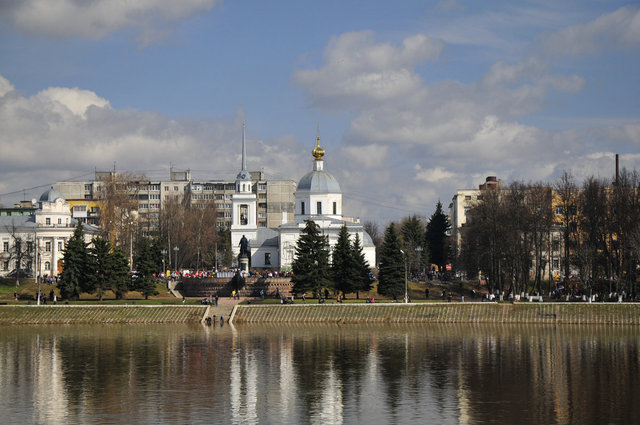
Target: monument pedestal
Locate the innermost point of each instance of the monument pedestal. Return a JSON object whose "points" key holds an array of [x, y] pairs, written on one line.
{"points": [[244, 264]]}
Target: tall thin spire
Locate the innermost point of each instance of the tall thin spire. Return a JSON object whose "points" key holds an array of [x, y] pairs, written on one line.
{"points": [[244, 149]]}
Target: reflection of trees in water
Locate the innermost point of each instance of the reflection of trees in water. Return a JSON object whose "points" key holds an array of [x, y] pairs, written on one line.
{"points": [[364, 374], [508, 374], [109, 368]]}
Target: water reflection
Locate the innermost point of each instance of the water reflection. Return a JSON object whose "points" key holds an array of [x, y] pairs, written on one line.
{"points": [[320, 374]]}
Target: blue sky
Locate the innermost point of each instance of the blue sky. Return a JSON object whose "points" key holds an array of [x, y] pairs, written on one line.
{"points": [[414, 99]]}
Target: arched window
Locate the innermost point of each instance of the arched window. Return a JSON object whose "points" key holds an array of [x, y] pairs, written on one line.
{"points": [[47, 265]]}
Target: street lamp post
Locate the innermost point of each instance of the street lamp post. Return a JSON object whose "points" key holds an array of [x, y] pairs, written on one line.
{"points": [[406, 298], [419, 251], [164, 269], [131, 246], [175, 250]]}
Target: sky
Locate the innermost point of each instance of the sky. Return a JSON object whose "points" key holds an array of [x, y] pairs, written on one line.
{"points": [[412, 100]]}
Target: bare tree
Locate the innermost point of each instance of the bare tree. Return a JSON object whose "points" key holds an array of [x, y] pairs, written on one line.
{"points": [[371, 227], [567, 192], [624, 219], [118, 200], [591, 251], [200, 234], [20, 250], [539, 198]]}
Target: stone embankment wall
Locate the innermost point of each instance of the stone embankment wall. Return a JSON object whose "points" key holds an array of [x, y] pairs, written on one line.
{"points": [[195, 287], [66, 314], [560, 313]]}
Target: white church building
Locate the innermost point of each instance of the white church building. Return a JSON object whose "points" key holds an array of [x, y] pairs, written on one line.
{"points": [[318, 197]]}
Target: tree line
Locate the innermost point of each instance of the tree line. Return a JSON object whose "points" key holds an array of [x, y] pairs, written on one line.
{"points": [[183, 223], [100, 266], [413, 249], [588, 233], [316, 269]]}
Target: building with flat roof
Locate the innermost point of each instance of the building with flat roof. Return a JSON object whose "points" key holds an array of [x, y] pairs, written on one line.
{"points": [[275, 199]]}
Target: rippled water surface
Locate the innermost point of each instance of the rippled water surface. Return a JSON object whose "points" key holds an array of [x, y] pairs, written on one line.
{"points": [[445, 374]]}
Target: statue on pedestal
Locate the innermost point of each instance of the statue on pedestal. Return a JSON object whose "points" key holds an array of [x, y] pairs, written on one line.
{"points": [[244, 246]]}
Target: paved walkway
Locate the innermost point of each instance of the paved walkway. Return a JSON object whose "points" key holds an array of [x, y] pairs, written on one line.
{"points": [[224, 308], [171, 284]]}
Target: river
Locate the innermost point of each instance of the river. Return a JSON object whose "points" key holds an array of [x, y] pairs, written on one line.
{"points": [[322, 374]]}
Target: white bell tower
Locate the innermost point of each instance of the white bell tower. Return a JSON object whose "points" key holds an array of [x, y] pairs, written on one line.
{"points": [[244, 203]]}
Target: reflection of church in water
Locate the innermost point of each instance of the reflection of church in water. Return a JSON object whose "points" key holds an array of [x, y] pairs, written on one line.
{"points": [[318, 197]]}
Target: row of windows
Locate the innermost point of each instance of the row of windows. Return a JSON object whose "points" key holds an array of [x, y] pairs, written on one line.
{"points": [[47, 246], [47, 221], [318, 208], [29, 265], [149, 206]]}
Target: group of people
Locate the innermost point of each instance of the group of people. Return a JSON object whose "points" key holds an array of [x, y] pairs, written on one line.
{"points": [[211, 300], [48, 280]]}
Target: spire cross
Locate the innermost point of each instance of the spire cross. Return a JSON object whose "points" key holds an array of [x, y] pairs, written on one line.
{"points": [[244, 149]]}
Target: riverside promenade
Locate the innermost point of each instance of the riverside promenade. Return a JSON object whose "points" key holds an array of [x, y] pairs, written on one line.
{"points": [[112, 314], [469, 312]]}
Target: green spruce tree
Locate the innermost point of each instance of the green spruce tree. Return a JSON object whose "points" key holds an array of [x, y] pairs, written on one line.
{"points": [[436, 237], [75, 277], [362, 279], [100, 265], [391, 269], [311, 266], [146, 266], [119, 273], [342, 264]]}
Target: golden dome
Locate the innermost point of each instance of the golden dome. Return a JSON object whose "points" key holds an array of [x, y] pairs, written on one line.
{"points": [[318, 152]]}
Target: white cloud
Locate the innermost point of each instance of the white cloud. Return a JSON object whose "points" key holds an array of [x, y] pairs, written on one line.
{"points": [[617, 29], [357, 70], [456, 131], [97, 18], [432, 175], [75, 100], [62, 132], [5, 86]]}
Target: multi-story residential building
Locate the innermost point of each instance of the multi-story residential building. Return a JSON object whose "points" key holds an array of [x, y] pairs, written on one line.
{"points": [[465, 199], [462, 202], [275, 198]]}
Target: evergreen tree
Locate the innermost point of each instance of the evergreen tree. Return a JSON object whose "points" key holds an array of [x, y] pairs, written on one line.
{"points": [[343, 265], [100, 265], [157, 245], [109, 268], [391, 269], [119, 277], [146, 266], [436, 237], [362, 279], [311, 266], [74, 277]]}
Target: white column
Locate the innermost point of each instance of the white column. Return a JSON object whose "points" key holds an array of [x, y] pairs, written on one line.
{"points": [[54, 256]]}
